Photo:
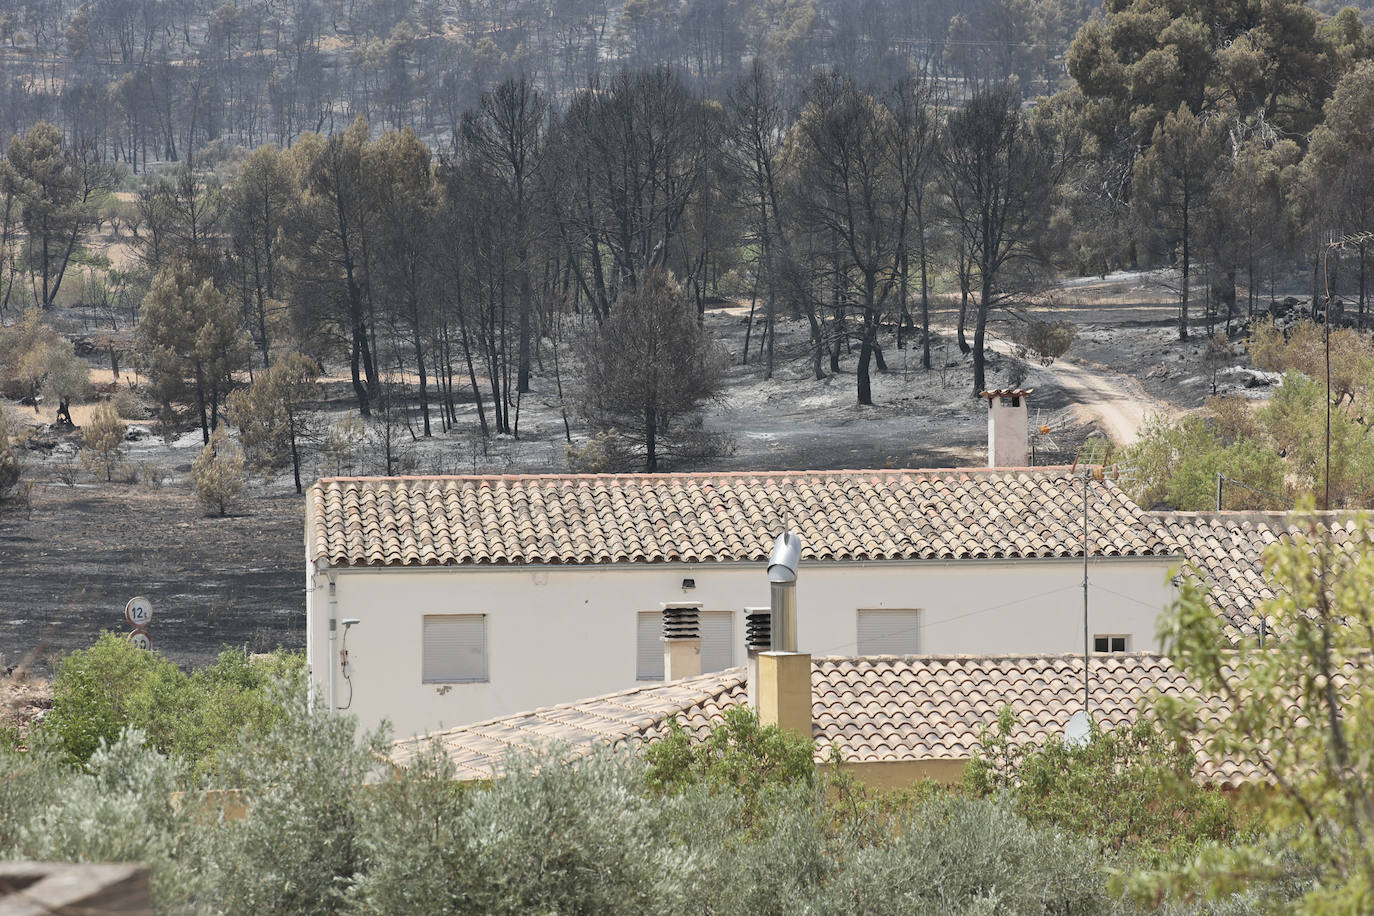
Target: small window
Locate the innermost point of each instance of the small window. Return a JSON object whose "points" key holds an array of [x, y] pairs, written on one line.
{"points": [[889, 631], [1108, 644], [455, 648], [1011, 402]]}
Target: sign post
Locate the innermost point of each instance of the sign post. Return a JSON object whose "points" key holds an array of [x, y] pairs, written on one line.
{"points": [[139, 613]]}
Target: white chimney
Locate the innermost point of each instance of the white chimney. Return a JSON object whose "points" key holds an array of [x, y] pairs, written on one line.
{"points": [[1008, 433], [681, 640]]}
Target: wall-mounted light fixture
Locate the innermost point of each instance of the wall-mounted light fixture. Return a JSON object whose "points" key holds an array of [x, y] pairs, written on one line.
{"points": [[688, 583]]}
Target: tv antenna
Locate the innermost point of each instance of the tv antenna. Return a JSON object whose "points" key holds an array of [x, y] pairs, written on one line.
{"points": [[1043, 426]]}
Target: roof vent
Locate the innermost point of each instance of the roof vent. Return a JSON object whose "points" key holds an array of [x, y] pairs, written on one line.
{"points": [[758, 627], [682, 621], [681, 640]]}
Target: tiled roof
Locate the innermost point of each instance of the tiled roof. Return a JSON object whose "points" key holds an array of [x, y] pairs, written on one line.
{"points": [[873, 709], [841, 515], [1227, 549], [480, 750]]}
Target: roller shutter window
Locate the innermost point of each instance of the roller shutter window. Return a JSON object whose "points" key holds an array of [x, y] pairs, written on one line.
{"points": [[717, 640], [889, 631], [649, 647], [455, 648]]}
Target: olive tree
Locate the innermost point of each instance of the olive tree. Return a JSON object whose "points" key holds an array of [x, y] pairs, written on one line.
{"points": [[1300, 709]]}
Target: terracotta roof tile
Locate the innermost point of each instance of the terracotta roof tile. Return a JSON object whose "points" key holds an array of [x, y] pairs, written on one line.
{"points": [[872, 709], [841, 515], [1227, 549]]}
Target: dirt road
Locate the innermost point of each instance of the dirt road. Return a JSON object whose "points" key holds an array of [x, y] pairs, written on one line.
{"points": [[1117, 402]]}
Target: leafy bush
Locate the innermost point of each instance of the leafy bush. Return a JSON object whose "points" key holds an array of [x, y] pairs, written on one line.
{"points": [[305, 781], [959, 855], [127, 404], [738, 755], [102, 440], [1176, 463], [1130, 788], [1046, 341], [217, 474], [101, 691]]}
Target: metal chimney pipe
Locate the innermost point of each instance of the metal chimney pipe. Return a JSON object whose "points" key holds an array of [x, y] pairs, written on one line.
{"points": [[782, 580]]}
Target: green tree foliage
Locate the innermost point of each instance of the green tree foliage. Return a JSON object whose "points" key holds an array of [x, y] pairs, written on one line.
{"points": [[272, 413], [1176, 464], [38, 360], [329, 827], [1130, 788], [648, 372], [1145, 58], [189, 334], [217, 474], [1267, 455], [59, 190], [102, 440], [306, 778], [738, 756], [1300, 708], [101, 691]]}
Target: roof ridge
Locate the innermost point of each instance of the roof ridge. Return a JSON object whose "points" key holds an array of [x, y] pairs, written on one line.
{"points": [[996, 656], [703, 475]]}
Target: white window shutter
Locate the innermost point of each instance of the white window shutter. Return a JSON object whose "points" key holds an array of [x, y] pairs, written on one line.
{"points": [[649, 647], [717, 640], [889, 631], [455, 648]]}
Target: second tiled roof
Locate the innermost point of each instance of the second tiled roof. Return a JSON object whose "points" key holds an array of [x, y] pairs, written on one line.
{"points": [[870, 709], [842, 515]]}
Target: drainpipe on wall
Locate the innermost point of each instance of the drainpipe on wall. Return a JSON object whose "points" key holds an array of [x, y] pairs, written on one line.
{"points": [[333, 635]]}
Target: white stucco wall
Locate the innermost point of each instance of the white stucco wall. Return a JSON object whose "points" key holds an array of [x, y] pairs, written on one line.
{"points": [[557, 634]]}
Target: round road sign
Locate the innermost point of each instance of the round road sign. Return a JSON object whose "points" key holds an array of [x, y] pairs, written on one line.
{"points": [[139, 612], [141, 639]]}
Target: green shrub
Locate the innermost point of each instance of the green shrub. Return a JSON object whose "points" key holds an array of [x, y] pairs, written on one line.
{"points": [[1130, 789], [101, 691], [306, 782], [960, 855], [217, 474]]}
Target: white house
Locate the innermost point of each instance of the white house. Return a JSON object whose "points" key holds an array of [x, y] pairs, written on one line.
{"points": [[435, 602]]}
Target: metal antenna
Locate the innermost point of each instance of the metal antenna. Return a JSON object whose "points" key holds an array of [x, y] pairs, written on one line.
{"points": [[1087, 477], [1091, 470]]}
